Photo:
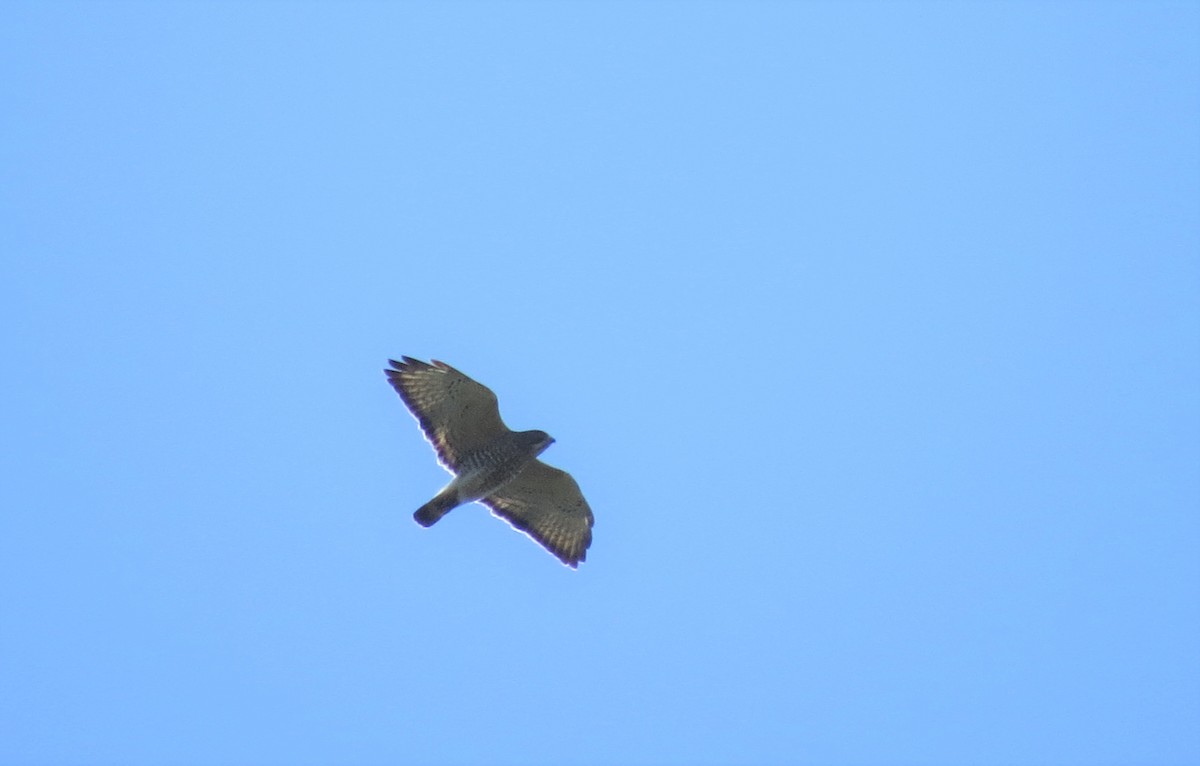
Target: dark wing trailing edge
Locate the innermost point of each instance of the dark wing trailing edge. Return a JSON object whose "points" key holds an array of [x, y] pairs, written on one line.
{"points": [[456, 414], [546, 504]]}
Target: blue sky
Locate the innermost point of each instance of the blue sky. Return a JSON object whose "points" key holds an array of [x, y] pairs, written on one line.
{"points": [[871, 332]]}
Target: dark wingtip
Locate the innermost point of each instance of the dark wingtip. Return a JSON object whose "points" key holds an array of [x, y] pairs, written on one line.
{"points": [[571, 557], [406, 364], [410, 364]]}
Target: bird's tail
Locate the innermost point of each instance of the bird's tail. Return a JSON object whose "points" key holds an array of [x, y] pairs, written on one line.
{"points": [[444, 502]]}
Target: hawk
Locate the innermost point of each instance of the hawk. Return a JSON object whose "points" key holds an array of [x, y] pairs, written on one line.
{"points": [[490, 463]]}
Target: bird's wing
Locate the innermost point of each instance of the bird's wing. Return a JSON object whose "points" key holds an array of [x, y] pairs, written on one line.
{"points": [[546, 504], [457, 414]]}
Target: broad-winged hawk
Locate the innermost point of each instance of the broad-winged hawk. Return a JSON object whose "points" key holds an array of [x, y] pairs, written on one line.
{"points": [[490, 463]]}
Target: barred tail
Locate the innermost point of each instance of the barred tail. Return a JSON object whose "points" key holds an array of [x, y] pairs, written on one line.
{"points": [[428, 514]]}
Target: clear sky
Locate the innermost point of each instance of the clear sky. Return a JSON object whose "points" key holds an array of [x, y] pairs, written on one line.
{"points": [[871, 332]]}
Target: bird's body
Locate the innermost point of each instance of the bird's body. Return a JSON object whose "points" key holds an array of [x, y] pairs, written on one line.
{"points": [[490, 463], [482, 472]]}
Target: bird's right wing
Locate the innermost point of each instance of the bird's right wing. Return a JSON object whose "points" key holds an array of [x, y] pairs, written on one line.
{"points": [[456, 414]]}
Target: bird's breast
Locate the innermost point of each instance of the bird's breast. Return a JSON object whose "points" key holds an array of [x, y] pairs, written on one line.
{"points": [[484, 471]]}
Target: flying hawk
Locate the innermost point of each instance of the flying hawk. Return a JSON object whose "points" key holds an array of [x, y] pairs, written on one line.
{"points": [[490, 463]]}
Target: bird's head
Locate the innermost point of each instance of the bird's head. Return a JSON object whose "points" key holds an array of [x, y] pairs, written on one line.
{"points": [[537, 441]]}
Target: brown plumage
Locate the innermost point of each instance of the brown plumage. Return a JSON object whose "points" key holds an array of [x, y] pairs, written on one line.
{"points": [[490, 463]]}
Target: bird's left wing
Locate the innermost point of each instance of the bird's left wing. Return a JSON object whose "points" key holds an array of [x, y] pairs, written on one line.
{"points": [[546, 504]]}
